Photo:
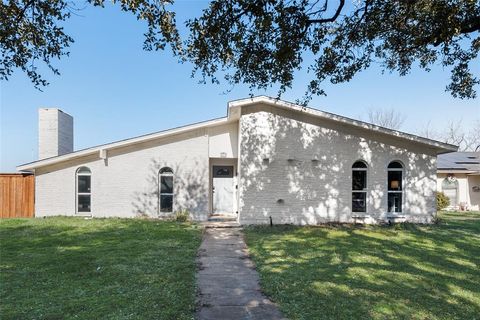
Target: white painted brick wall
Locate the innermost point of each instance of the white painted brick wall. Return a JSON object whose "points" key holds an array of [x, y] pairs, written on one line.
{"points": [[223, 141], [55, 133], [127, 183], [312, 192], [316, 192]]}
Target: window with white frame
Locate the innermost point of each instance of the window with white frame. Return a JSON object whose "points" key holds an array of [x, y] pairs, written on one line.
{"points": [[84, 190], [395, 186], [450, 189], [166, 189], [359, 187]]}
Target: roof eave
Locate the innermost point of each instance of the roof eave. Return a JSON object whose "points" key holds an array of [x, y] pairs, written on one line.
{"points": [[455, 170], [440, 146], [233, 114], [122, 143]]}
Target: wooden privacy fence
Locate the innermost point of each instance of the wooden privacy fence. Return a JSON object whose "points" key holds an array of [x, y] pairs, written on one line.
{"points": [[17, 195]]}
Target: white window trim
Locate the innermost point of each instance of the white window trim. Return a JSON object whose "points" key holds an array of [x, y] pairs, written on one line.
{"points": [[77, 194], [360, 191], [160, 193], [402, 170]]}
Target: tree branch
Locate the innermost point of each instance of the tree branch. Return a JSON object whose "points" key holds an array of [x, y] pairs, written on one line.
{"points": [[331, 19], [21, 14], [472, 27]]}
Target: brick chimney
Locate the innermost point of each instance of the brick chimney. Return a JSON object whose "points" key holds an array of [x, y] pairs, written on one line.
{"points": [[55, 133]]}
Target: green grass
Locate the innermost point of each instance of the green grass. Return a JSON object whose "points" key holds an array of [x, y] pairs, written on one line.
{"points": [[71, 268], [374, 272]]}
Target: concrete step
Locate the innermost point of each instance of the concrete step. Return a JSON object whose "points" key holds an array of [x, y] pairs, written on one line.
{"points": [[220, 224], [222, 218]]}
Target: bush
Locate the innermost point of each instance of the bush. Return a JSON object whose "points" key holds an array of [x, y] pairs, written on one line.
{"points": [[182, 216], [442, 201]]}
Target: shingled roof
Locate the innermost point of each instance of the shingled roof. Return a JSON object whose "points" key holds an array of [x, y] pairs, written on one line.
{"points": [[459, 161]]}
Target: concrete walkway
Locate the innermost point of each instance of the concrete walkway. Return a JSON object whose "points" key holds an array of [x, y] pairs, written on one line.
{"points": [[227, 281]]}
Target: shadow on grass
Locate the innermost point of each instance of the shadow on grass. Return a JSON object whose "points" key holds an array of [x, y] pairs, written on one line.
{"points": [[344, 272], [62, 268]]}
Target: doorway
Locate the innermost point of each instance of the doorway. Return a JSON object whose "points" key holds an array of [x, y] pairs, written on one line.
{"points": [[223, 189]]}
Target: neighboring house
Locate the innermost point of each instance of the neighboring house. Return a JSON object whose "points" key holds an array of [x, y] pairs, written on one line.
{"points": [[458, 176], [266, 159]]}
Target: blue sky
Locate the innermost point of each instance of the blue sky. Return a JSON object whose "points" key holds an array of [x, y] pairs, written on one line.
{"points": [[115, 90]]}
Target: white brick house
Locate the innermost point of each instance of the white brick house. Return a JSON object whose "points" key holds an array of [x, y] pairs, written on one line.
{"points": [[267, 159]]}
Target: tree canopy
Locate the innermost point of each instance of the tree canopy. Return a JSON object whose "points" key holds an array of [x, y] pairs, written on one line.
{"points": [[263, 43]]}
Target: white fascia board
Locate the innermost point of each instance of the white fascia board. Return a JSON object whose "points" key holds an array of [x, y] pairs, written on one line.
{"points": [[469, 172], [121, 143], [442, 147]]}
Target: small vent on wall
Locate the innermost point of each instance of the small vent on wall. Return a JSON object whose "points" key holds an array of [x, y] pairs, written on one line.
{"points": [[294, 162]]}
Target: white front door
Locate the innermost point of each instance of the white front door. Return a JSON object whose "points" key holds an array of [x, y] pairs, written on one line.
{"points": [[222, 189]]}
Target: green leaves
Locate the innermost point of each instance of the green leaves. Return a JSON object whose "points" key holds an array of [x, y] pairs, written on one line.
{"points": [[248, 42], [264, 43], [30, 34]]}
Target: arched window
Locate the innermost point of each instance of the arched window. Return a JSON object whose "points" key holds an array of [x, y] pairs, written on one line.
{"points": [[83, 188], [395, 186], [450, 188], [359, 187], [166, 189]]}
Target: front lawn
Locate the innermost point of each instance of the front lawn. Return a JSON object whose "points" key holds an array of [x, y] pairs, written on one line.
{"points": [[72, 268], [375, 272]]}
